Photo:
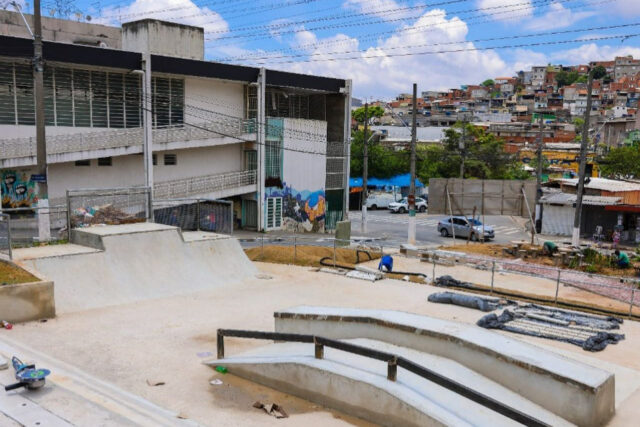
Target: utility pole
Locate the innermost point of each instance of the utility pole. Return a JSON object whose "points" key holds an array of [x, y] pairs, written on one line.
{"points": [[365, 169], [575, 238], [462, 147], [44, 229], [412, 186], [538, 208]]}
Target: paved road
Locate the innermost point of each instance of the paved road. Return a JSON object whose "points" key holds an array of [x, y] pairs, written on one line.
{"points": [[394, 227]]}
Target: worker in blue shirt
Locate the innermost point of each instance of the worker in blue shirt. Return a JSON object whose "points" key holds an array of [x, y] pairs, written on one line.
{"points": [[386, 263]]}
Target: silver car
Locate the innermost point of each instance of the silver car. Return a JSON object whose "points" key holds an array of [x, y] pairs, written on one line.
{"points": [[464, 227]]}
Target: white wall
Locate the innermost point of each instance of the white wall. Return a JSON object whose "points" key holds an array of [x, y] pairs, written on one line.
{"points": [[200, 162], [214, 95], [302, 170]]}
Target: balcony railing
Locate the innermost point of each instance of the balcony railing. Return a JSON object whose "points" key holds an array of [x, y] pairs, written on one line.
{"points": [[202, 185], [120, 138]]}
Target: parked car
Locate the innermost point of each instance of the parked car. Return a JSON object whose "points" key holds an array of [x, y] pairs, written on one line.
{"points": [[402, 206], [464, 227], [379, 201]]}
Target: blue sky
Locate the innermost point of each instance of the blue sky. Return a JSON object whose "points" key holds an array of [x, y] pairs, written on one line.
{"points": [[375, 42]]}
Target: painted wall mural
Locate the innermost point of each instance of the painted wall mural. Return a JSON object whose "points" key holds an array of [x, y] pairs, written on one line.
{"points": [[17, 190], [302, 211]]}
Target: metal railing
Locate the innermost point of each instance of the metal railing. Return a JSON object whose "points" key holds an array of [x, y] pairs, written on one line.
{"points": [[393, 362], [195, 214], [5, 235], [118, 138], [112, 206], [203, 184]]}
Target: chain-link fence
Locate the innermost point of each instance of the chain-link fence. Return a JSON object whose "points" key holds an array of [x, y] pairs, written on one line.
{"points": [[195, 214], [5, 235], [25, 223], [110, 206]]}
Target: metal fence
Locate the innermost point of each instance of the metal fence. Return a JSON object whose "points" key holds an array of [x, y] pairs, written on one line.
{"points": [[24, 224], [5, 235], [195, 214], [111, 206]]}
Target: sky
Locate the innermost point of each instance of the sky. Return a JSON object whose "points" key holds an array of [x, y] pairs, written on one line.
{"points": [[384, 46]]}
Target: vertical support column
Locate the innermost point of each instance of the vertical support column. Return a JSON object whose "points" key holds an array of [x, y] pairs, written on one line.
{"points": [[493, 273], [557, 286], [346, 152], [220, 345], [392, 369], [633, 294], [319, 349], [261, 139], [147, 122]]}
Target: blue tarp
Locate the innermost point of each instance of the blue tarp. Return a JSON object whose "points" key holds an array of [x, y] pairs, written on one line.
{"points": [[403, 180]]}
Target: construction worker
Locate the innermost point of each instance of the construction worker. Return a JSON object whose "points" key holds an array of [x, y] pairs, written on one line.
{"points": [[386, 263], [549, 248], [622, 259]]}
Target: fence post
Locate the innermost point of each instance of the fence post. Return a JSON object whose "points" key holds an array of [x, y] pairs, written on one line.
{"points": [[295, 249], [558, 286], [231, 218], [262, 250], [334, 253], [220, 346], [198, 214], [319, 349], [633, 294], [433, 278], [493, 273], [68, 217]]}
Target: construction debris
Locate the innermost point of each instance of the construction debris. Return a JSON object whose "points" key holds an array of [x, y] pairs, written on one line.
{"points": [[587, 331], [107, 214], [154, 382], [272, 409], [449, 282], [478, 303]]}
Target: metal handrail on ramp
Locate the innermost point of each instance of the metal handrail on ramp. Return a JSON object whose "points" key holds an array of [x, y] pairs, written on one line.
{"points": [[393, 361]]}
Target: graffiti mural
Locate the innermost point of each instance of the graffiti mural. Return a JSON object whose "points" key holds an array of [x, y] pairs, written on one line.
{"points": [[302, 211], [17, 190]]}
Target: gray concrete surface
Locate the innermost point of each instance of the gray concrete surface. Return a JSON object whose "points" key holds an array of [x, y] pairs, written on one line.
{"points": [[139, 261], [27, 301], [577, 392], [293, 366]]}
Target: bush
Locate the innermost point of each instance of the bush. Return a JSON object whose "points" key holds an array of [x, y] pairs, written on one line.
{"points": [[592, 268]]}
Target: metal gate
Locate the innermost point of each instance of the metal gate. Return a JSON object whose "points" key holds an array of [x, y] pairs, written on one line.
{"points": [[249, 214]]}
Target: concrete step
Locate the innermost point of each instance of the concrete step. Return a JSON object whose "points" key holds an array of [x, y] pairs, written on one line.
{"points": [[359, 386], [577, 392]]}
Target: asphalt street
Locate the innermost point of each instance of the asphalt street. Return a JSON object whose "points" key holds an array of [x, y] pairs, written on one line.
{"points": [[394, 227]]}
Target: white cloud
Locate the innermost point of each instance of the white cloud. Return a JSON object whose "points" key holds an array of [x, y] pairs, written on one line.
{"points": [[180, 11], [592, 52], [557, 16], [381, 8], [626, 8], [506, 10], [524, 59], [376, 72]]}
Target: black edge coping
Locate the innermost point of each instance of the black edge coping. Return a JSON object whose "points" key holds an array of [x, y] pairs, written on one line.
{"points": [[101, 57], [194, 67], [71, 53]]}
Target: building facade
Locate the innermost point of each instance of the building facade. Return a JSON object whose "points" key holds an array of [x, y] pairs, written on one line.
{"points": [[274, 143]]}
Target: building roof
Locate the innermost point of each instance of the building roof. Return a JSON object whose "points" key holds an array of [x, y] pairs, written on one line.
{"points": [[562, 145], [604, 184], [570, 199]]}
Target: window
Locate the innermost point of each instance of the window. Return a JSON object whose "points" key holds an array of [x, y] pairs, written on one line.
{"points": [[168, 101], [105, 161], [154, 159], [170, 159], [76, 97], [83, 162], [251, 160], [273, 158]]}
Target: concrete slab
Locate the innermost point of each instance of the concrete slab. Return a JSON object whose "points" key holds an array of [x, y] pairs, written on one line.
{"points": [[428, 401], [580, 393], [139, 261]]}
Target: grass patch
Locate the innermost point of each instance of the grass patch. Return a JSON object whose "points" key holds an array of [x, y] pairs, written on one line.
{"points": [[307, 256], [11, 274]]}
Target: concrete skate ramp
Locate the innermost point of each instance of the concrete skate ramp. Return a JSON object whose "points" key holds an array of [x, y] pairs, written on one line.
{"points": [[122, 264], [577, 392]]}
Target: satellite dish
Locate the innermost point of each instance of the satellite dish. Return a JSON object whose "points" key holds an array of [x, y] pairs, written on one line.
{"points": [[88, 18]]}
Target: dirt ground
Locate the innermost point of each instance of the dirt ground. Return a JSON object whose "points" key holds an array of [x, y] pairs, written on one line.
{"points": [[309, 256], [495, 250], [11, 275]]}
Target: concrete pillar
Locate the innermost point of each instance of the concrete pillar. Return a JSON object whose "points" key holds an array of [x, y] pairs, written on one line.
{"points": [[347, 148], [261, 139]]}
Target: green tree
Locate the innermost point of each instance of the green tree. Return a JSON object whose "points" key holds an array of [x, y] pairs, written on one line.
{"points": [[383, 162], [623, 162], [488, 83], [564, 78], [599, 72], [372, 111]]}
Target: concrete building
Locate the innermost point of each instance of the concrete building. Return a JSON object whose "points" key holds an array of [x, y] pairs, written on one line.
{"points": [[275, 143]]}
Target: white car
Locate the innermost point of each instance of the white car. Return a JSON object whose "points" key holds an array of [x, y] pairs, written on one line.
{"points": [[402, 206], [379, 201]]}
